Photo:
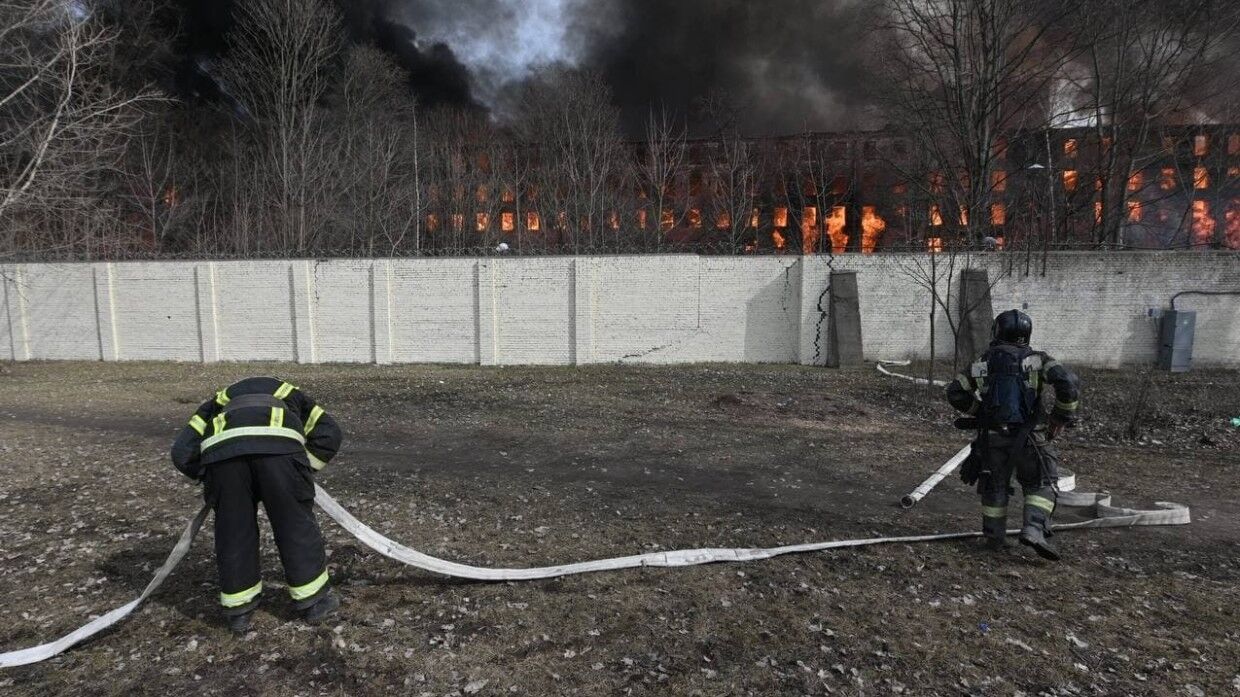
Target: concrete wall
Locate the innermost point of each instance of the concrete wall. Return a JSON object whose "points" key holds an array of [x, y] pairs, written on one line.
{"points": [[1087, 308]]}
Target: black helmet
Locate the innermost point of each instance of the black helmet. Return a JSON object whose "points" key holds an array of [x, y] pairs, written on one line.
{"points": [[1012, 326]]}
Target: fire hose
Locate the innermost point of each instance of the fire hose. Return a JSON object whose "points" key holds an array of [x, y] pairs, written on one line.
{"points": [[1097, 509]]}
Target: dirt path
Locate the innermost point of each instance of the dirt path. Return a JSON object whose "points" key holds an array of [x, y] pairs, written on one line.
{"points": [[530, 466]]}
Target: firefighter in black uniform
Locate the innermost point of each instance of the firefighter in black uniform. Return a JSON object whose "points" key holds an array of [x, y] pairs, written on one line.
{"points": [[1003, 390], [259, 440]]}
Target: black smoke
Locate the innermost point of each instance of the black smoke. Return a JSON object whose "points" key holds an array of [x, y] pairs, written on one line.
{"points": [[434, 73], [787, 65]]}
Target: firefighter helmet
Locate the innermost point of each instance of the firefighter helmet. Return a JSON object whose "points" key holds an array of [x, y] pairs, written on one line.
{"points": [[1012, 326]]}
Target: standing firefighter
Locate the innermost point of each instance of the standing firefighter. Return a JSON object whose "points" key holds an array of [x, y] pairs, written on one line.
{"points": [[258, 440], [1003, 390]]}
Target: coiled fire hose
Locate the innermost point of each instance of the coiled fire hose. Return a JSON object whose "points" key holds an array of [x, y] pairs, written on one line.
{"points": [[1097, 508]]}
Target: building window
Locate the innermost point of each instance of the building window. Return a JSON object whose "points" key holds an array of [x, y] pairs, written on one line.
{"points": [[937, 183], [1136, 180], [934, 245], [1233, 144], [642, 221], [532, 222], [755, 218], [964, 216], [1070, 178], [668, 221], [1134, 211], [781, 217], [998, 214], [458, 222], [778, 239], [1167, 181], [936, 217], [508, 221], [1069, 147], [1201, 177], [723, 220], [998, 180], [695, 218], [836, 222], [432, 222], [1203, 224], [484, 221], [1201, 145]]}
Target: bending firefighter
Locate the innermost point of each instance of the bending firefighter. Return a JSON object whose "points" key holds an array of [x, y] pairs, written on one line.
{"points": [[1003, 391], [259, 440]]}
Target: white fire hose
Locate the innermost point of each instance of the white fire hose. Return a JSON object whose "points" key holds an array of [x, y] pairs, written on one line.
{"points": [[1098, 508]]}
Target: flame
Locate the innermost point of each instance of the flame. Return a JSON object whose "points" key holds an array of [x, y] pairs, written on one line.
{"points": [[1134, 211], [458, 221], [1167, 181], [809, 229], [723, 221], [1135, 181], [695, 218], [1000, 242], [669, 220], [998, 214], [484, 221], [533, 222], [781, 217], [755, 218], [778, 239], [1203, 224], [936, 217], [508, 221], [872, 227], [1097, 212], [1233, 223], [934, 245], [1069, 147], [836, 223], [1201, 177], [432, 222], [1070, 179]]}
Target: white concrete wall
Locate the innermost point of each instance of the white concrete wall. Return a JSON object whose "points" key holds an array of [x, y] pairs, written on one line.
{"points": [[1087, 308]]}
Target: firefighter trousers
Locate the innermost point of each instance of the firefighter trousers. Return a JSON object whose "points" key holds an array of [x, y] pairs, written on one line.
{"points": [[284, 485], [1035, 463]]}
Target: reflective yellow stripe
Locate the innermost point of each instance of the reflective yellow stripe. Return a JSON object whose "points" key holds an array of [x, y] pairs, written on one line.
{"points": [[1040, 502], [277, 417], [315, 463], [994, 511], [285, 390], [218, 424], [244, 431], [197, 423], [309, 589], [242, 598], [221, 397], [1067, 406], [313, 421]]}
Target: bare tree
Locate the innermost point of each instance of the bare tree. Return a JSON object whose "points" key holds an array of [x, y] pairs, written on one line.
{"points": [[659, 165], [278, 68], [63, 125]]}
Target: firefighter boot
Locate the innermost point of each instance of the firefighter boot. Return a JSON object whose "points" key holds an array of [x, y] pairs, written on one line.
{"points": [[994, 527], [326, 605], [240, 624], [1037, 525]]}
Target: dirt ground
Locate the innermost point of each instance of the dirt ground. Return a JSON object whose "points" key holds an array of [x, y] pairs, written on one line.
{"points": [[532, 466]]}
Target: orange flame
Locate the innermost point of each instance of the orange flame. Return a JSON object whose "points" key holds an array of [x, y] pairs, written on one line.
{"points": [[936, 216], [1134, 211], [934, 245], [998, 214], [809, 229], [781, 217], [1070, 179], [1167, 181], [836, 223], [533, 222], [508, 222], [1201, 177], [778, 239], [1203, 224], [872, 227]]}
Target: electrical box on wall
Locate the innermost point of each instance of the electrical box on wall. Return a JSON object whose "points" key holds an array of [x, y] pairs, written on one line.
{"points": [[1175, 341]]}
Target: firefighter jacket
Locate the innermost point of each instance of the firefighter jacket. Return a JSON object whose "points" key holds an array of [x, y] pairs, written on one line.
{"points": [[256, 416], [969, 389]]}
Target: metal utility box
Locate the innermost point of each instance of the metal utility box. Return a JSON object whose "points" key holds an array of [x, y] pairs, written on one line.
{"points": [[1175, 341]]}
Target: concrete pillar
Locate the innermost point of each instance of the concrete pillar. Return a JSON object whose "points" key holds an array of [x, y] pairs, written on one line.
{"points": [[488, 316], [583, 311], [381, 311], [844, 321], [976, 314], [18, 328], [105, 312], [208, 312], [301, 287]]}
